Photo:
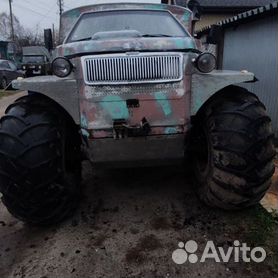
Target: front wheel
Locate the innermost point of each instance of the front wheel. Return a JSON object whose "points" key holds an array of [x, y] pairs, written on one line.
{"points": [[234, 151], [39, 161]]}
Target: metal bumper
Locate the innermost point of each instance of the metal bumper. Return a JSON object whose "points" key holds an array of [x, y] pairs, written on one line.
{"points": [[137, 151]]}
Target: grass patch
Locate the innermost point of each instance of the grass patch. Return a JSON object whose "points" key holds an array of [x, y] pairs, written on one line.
{"points": [[261, 229], [7, 93]]}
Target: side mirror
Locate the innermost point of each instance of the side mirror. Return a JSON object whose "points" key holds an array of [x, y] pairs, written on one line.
{"points": [[215, 34], [48, 41], [196, 8]]}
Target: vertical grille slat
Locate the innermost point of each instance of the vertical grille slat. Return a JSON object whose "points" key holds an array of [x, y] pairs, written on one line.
{"points": [[125, 69]]}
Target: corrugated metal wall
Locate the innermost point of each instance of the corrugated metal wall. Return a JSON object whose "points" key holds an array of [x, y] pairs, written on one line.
{"points": [[254, 46]]}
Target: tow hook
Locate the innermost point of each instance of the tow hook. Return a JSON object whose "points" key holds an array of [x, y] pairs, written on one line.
{"points": [[122, 130]]}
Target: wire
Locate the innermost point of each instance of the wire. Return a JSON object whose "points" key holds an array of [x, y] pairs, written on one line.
{"points": [[29, 9], [36, 4], [47, 13], [41, 3]]}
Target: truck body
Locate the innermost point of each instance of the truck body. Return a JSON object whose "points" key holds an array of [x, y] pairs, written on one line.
{"points": [[137, 89], [131, 88]]}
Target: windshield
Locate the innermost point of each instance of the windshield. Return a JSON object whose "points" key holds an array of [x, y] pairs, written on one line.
{"points": [[147, 23], [33, 59]]}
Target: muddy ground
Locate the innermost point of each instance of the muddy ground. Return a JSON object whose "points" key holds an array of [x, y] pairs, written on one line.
{"points": [[128, 224]]}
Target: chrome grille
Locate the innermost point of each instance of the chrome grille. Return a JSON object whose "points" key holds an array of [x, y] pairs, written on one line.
{"points": [[135, 68]]}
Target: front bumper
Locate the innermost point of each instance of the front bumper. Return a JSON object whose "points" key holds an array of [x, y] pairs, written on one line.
{"points": [[137, 151]]}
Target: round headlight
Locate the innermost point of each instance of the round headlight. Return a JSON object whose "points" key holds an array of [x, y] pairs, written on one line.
{"points": [[205, 62], [61, 67]]}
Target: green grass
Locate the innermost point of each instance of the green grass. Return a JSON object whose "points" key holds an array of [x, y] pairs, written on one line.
{"points": [[6, 93], [261, 230], [262, 226], [264, 232]]}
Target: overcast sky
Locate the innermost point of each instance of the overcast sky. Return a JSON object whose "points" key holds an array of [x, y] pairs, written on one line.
{"points": [[45, 12], [42, 12]]}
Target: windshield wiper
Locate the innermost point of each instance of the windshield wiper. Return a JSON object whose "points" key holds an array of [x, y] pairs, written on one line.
{"points": [[155, 35], [83, 39], [144, 36]]}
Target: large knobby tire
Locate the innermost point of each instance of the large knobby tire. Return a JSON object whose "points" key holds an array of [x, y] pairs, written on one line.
{"points": [[233, 150], [39, 161]]}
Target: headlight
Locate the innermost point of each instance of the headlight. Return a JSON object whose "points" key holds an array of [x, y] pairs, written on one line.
{"points": [[61, 67], [40, 67], [24, 67], [205, 62]]}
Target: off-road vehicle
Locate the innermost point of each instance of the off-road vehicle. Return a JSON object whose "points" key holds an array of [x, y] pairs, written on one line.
{"points": [[131, 88], [36, 61]]}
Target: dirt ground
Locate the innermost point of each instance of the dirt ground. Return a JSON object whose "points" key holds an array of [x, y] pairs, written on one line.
{"points": [[5, 99], [128, 224]]}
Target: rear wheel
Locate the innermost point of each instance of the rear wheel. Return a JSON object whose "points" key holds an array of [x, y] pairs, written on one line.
{"points": [[39, 161], [234, 151]]}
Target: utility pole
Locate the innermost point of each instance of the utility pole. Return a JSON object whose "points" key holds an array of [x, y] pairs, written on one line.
{"points": [[53, 35], [60, 3], [61, 6], [12, 20]]}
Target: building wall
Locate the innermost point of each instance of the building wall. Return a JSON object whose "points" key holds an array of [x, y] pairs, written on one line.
{"points": [[253, 46], [208, 19]]}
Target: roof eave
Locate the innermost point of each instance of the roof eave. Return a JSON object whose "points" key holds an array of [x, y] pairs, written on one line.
{"points": [[244, 17]]}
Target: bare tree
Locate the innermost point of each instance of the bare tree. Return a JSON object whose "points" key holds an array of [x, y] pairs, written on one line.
{"points": [[23, 36]]}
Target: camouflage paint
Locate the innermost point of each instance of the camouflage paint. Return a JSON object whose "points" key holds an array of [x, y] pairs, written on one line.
{"points": [[170, 130], [162, 100], [124, 45], [85, 133], [115, 106], [167, 107], [84, 120]]}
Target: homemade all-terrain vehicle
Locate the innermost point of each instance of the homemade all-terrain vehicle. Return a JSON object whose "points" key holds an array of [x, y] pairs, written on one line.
{"points": [[131, 88]]}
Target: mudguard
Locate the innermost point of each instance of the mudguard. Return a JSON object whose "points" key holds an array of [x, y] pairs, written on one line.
{"points": [[61, 90], [206, 85]]}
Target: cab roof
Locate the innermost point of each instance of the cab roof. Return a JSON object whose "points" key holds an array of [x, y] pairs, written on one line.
{"points": [[69, 18]]}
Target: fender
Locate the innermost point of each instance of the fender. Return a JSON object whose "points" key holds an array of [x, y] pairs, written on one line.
{"points": [[207, 84], [61, 90]]}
